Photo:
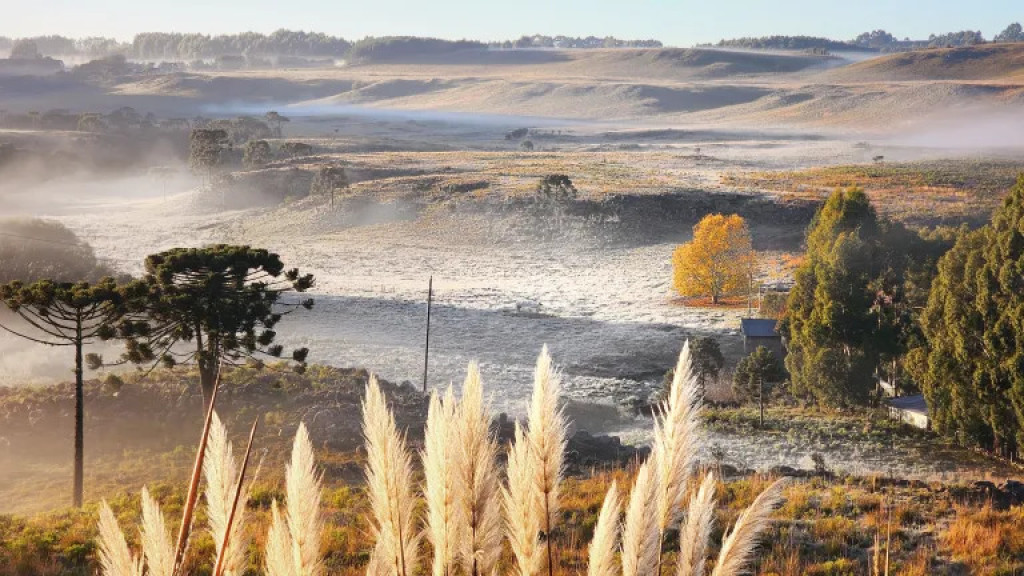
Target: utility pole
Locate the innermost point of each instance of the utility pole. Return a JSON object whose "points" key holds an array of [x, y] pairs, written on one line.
{"points": [[426, 345], [760, 397]]}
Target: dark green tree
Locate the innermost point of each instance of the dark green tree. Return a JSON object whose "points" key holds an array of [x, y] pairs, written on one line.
{"points": [[756, 375], [556, 188], [216, 305], [72, 315], [256, 153], [206, 148], [971, 369], [276, 120], [707, 360], [848, 313], [328, 180]]}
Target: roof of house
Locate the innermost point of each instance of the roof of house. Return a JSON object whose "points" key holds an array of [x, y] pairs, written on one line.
{"points": [[759, 327], [913, 403]]}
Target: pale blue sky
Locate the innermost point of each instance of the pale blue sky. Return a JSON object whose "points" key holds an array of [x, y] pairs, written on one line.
{"points": [[675, 22]]}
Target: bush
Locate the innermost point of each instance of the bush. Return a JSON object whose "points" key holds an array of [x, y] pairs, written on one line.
{"points": [[32, 249]]}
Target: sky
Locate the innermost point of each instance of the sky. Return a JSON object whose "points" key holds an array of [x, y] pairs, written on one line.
{"points": [[674, 22]]}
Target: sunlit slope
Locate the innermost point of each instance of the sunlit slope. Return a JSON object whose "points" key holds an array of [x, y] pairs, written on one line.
{"points": [[989, 63]]}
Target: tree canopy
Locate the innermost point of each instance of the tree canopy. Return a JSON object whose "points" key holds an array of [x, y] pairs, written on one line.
{"points": [[74, 315], [971, 368], [717, 262], [851, 306], [756, 374], [223, 300]]}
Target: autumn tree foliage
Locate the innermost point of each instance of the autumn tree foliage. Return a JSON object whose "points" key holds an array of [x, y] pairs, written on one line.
{"points": [[718, 261], [971, 368]]}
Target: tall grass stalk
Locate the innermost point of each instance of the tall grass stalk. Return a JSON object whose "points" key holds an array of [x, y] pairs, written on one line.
{"points": [[605, 543], [221, 474], [115, 557], [293, 540], [439, 470], [640, 544], [739, 545], [477, 500], [676, 442], [157, 546], [523, 509], [230, 548], [546, 437], [193, 490], [696, 530], [389, 484]]}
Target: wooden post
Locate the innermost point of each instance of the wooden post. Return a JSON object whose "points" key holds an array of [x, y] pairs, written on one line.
{"points": [[760, 397], [426, 345]]}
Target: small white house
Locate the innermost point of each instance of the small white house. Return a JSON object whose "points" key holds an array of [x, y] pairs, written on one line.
{"points": [[911, 410]]}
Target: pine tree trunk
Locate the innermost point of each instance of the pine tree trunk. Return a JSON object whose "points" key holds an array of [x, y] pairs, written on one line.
{"points": [[79, 421]]}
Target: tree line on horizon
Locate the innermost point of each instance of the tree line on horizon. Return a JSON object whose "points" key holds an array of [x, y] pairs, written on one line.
{"points": [[298, 43], [874, 41]]}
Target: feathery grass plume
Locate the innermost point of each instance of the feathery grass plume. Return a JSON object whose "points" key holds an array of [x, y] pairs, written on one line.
{"points": [[640, 543], [185, 530], [278, 559], [676, 442], [439, 469], [115, 557], [389, 484], [377, 565], [739, 545], [546, 439], [305, 519], [156, 539], [604, 544], [226, 546], [524, 511], [478, 506], [221, 473], [696, 531]]}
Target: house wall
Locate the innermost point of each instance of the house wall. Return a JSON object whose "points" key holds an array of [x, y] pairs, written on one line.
{"points": [[774, 344], [915, 419]]}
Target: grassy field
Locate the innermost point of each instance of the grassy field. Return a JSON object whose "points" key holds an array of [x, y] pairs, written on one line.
{"points": [[827, 526], [921, 193]]}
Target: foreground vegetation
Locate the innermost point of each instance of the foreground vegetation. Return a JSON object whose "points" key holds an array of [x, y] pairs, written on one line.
{"points": [[826, 526]]}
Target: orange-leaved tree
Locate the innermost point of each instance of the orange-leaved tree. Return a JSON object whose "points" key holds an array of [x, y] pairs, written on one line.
{"points": [[717, 262]]}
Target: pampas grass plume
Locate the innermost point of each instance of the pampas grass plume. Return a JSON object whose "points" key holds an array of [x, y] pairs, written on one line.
{"points": [[605, 542], [739, 545], [156, 539], [389, 484], [477, 501]]}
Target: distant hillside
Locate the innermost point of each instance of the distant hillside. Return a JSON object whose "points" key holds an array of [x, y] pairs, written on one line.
{"points": [[990, 62], [805, 43]]}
